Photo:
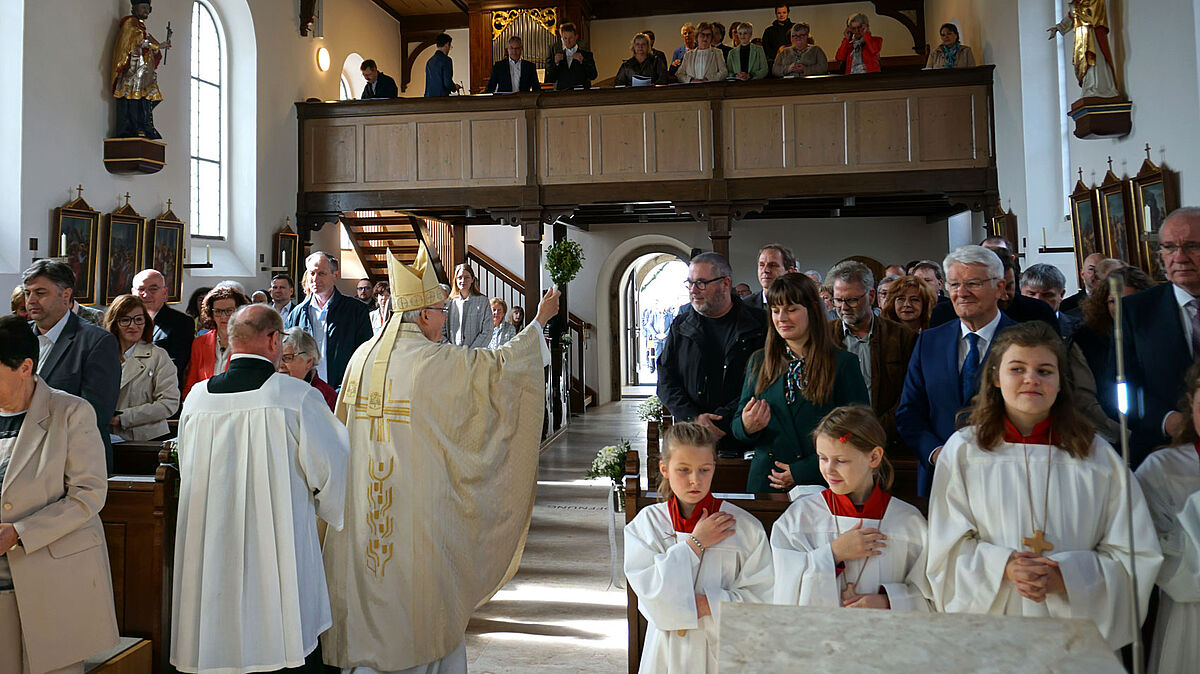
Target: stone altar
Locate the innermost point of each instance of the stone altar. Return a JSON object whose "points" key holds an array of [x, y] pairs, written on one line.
{"points": [[766, 638]]}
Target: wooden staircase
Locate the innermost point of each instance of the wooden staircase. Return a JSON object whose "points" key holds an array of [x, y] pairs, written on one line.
{"points": [[373, 233]]}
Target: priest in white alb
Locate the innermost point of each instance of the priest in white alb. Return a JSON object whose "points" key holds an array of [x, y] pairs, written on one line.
{"points": [[261, 457], [440, 486]]}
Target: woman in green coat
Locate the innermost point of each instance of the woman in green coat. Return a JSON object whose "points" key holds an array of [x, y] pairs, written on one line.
{"points": [[747, 61], [794, 381]]}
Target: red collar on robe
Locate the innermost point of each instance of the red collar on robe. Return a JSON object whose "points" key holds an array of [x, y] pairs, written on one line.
{"points": [[841, 505], [1196, 444], [688, 525], [1039, 436]]}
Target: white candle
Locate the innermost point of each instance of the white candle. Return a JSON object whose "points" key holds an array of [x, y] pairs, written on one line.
{"points": [[62, 246], [1146, 224], [207, 254], [284, 259], [1044, 237]]}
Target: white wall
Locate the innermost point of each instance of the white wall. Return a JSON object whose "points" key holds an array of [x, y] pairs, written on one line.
{"points": [[460, 53], [609, 39], [67, 110]]}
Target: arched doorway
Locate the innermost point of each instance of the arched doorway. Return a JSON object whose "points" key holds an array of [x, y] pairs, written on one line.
{"points": [[651, 293]]}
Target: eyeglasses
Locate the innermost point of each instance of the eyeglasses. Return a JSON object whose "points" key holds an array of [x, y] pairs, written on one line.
{"points": [[443, 310], [1188, 248], [701, 284], [973, 285], [289, 357], [851, 302], [223, 312], [126, 321]]}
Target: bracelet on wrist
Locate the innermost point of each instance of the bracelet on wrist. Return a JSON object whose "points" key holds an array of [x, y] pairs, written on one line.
{"points": [[697, 542]]}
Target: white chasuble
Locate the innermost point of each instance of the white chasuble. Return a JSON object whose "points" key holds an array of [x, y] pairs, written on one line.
{"points": [[667, 575], [979, 512], [439, 496], [805, 573], [1170, 479], [257, 469]]}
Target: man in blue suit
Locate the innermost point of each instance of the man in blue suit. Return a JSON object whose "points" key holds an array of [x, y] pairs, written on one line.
{"points": [[1161, 327], [944, 371], [439, 69], [513, 73]]}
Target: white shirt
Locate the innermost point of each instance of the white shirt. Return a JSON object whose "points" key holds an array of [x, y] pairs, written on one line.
{"points": [[569, 54], [514, 73], [46, 341], [986, 334], [317, 314]]}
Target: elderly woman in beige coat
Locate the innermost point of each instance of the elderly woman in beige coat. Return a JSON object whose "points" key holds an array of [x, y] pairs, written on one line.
{"points": [[56, 597], [149, 381]]}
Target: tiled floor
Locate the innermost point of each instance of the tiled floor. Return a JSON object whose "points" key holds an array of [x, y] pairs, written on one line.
{"points": [[559, 613]]}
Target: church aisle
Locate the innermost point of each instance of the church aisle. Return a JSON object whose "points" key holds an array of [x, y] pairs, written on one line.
{"points": [[558, 614]]}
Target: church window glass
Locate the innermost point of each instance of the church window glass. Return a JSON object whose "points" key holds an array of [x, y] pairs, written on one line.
{"points": [[208, 130]]}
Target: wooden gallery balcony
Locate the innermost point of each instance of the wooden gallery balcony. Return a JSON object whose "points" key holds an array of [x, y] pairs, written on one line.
{"points": [[717, 151]]}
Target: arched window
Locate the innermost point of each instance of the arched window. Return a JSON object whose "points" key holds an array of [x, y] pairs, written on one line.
{"points": [[208, 123], [346, 94]]}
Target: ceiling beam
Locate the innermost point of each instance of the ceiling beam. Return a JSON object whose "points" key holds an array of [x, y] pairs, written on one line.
{"points": [[433, 22], [388, 9], [618, 9]]}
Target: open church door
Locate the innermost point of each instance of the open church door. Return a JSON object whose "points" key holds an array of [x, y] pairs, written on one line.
{"points": [[633, 329]]}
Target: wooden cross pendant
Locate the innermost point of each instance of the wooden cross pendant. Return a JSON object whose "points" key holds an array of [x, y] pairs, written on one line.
{"points": [[849, 592], [1037, 543]]}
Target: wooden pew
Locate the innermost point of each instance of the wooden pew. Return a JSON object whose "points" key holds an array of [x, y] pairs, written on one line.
{"points": [[765, 507], [139, 527]]}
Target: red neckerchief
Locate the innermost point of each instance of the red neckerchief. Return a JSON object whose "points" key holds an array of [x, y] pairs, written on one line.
{"points": [[688, 525], [1196, 444], [841, 506], [1039, 436]]}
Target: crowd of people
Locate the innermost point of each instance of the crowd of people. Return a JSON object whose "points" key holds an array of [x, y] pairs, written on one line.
{"points": [[786, 49], [997, 383]]}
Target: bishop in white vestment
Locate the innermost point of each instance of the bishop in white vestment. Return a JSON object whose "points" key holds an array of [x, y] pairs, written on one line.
{"points": [[979, 512], [441, 482], [805, 571], [260, 458], [1171, 480]]}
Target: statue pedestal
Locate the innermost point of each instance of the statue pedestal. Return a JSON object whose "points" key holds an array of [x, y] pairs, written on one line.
{"points": [[769, 639], [1102, 117], [134, 155]]}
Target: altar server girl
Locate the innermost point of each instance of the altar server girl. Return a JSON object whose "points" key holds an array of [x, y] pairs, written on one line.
{"points": [[1171, 480], [1028, 513], [852, 544], [688, 554]]}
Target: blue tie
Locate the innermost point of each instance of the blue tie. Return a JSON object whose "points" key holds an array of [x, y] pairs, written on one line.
{"points": [[968, 379]]}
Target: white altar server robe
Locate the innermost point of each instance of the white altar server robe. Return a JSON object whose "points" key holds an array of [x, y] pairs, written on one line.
{"points": [[1170, 479], [979, 512], [667, 576], [257, 468], [805, 573]]}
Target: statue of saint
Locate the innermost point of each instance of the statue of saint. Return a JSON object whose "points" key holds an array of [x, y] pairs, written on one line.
{"points": [[1087, 20], [136, 56]]}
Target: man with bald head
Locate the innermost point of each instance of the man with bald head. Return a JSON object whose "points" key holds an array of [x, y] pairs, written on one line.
{"points": [[1087, 276], [173, 330], [261, 457], [1162, 335]]}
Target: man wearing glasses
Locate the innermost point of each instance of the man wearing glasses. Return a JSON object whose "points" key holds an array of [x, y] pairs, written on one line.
{"points": [[883, 347], [944, 371], [1162, 335], [173, 330], [702, 363]]}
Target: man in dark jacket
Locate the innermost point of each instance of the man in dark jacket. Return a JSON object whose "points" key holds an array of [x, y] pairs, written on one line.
{"points": [[439, 69], [777, 34], [173, 330], [378, 84], [513, 73], [574, 66], [702, 364], [338, 323]]}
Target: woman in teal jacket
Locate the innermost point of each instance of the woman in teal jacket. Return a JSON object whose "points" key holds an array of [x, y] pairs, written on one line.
{"points": [[794, 381], [746, 61]]}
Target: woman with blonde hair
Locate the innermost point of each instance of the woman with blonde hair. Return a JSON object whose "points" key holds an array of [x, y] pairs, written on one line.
{"points": [[910, 302], [149, 381], [469, 316], [791, 383], [502, 330], [643, 66]]}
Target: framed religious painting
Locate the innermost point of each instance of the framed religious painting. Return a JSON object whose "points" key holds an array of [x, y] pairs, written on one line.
{"points": [[1118, 233], [122, 236], [1155, 192], [1083, 221], [164, 251], [73, 236], [1004, 223], [287, 252]]}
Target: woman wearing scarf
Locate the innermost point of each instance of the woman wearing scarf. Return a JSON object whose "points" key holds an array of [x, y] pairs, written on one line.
{"points": [[951, 53], [798, 378]]}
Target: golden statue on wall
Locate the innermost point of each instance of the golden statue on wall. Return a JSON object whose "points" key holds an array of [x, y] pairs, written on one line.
{"points": [[1087, 21], [135, 60]]}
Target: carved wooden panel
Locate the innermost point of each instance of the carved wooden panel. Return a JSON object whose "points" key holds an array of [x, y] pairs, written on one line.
{"points": [[882, 131], [388, 153], [622, 143], [759, 136], [682, 142], [332, 153], [566, 139], [493, 148], [439, 155], [820, 135], [948, 125]]}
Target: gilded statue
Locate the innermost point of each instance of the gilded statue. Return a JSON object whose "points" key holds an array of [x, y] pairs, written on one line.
{"points": [[135, 60], [1087, 21]]}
